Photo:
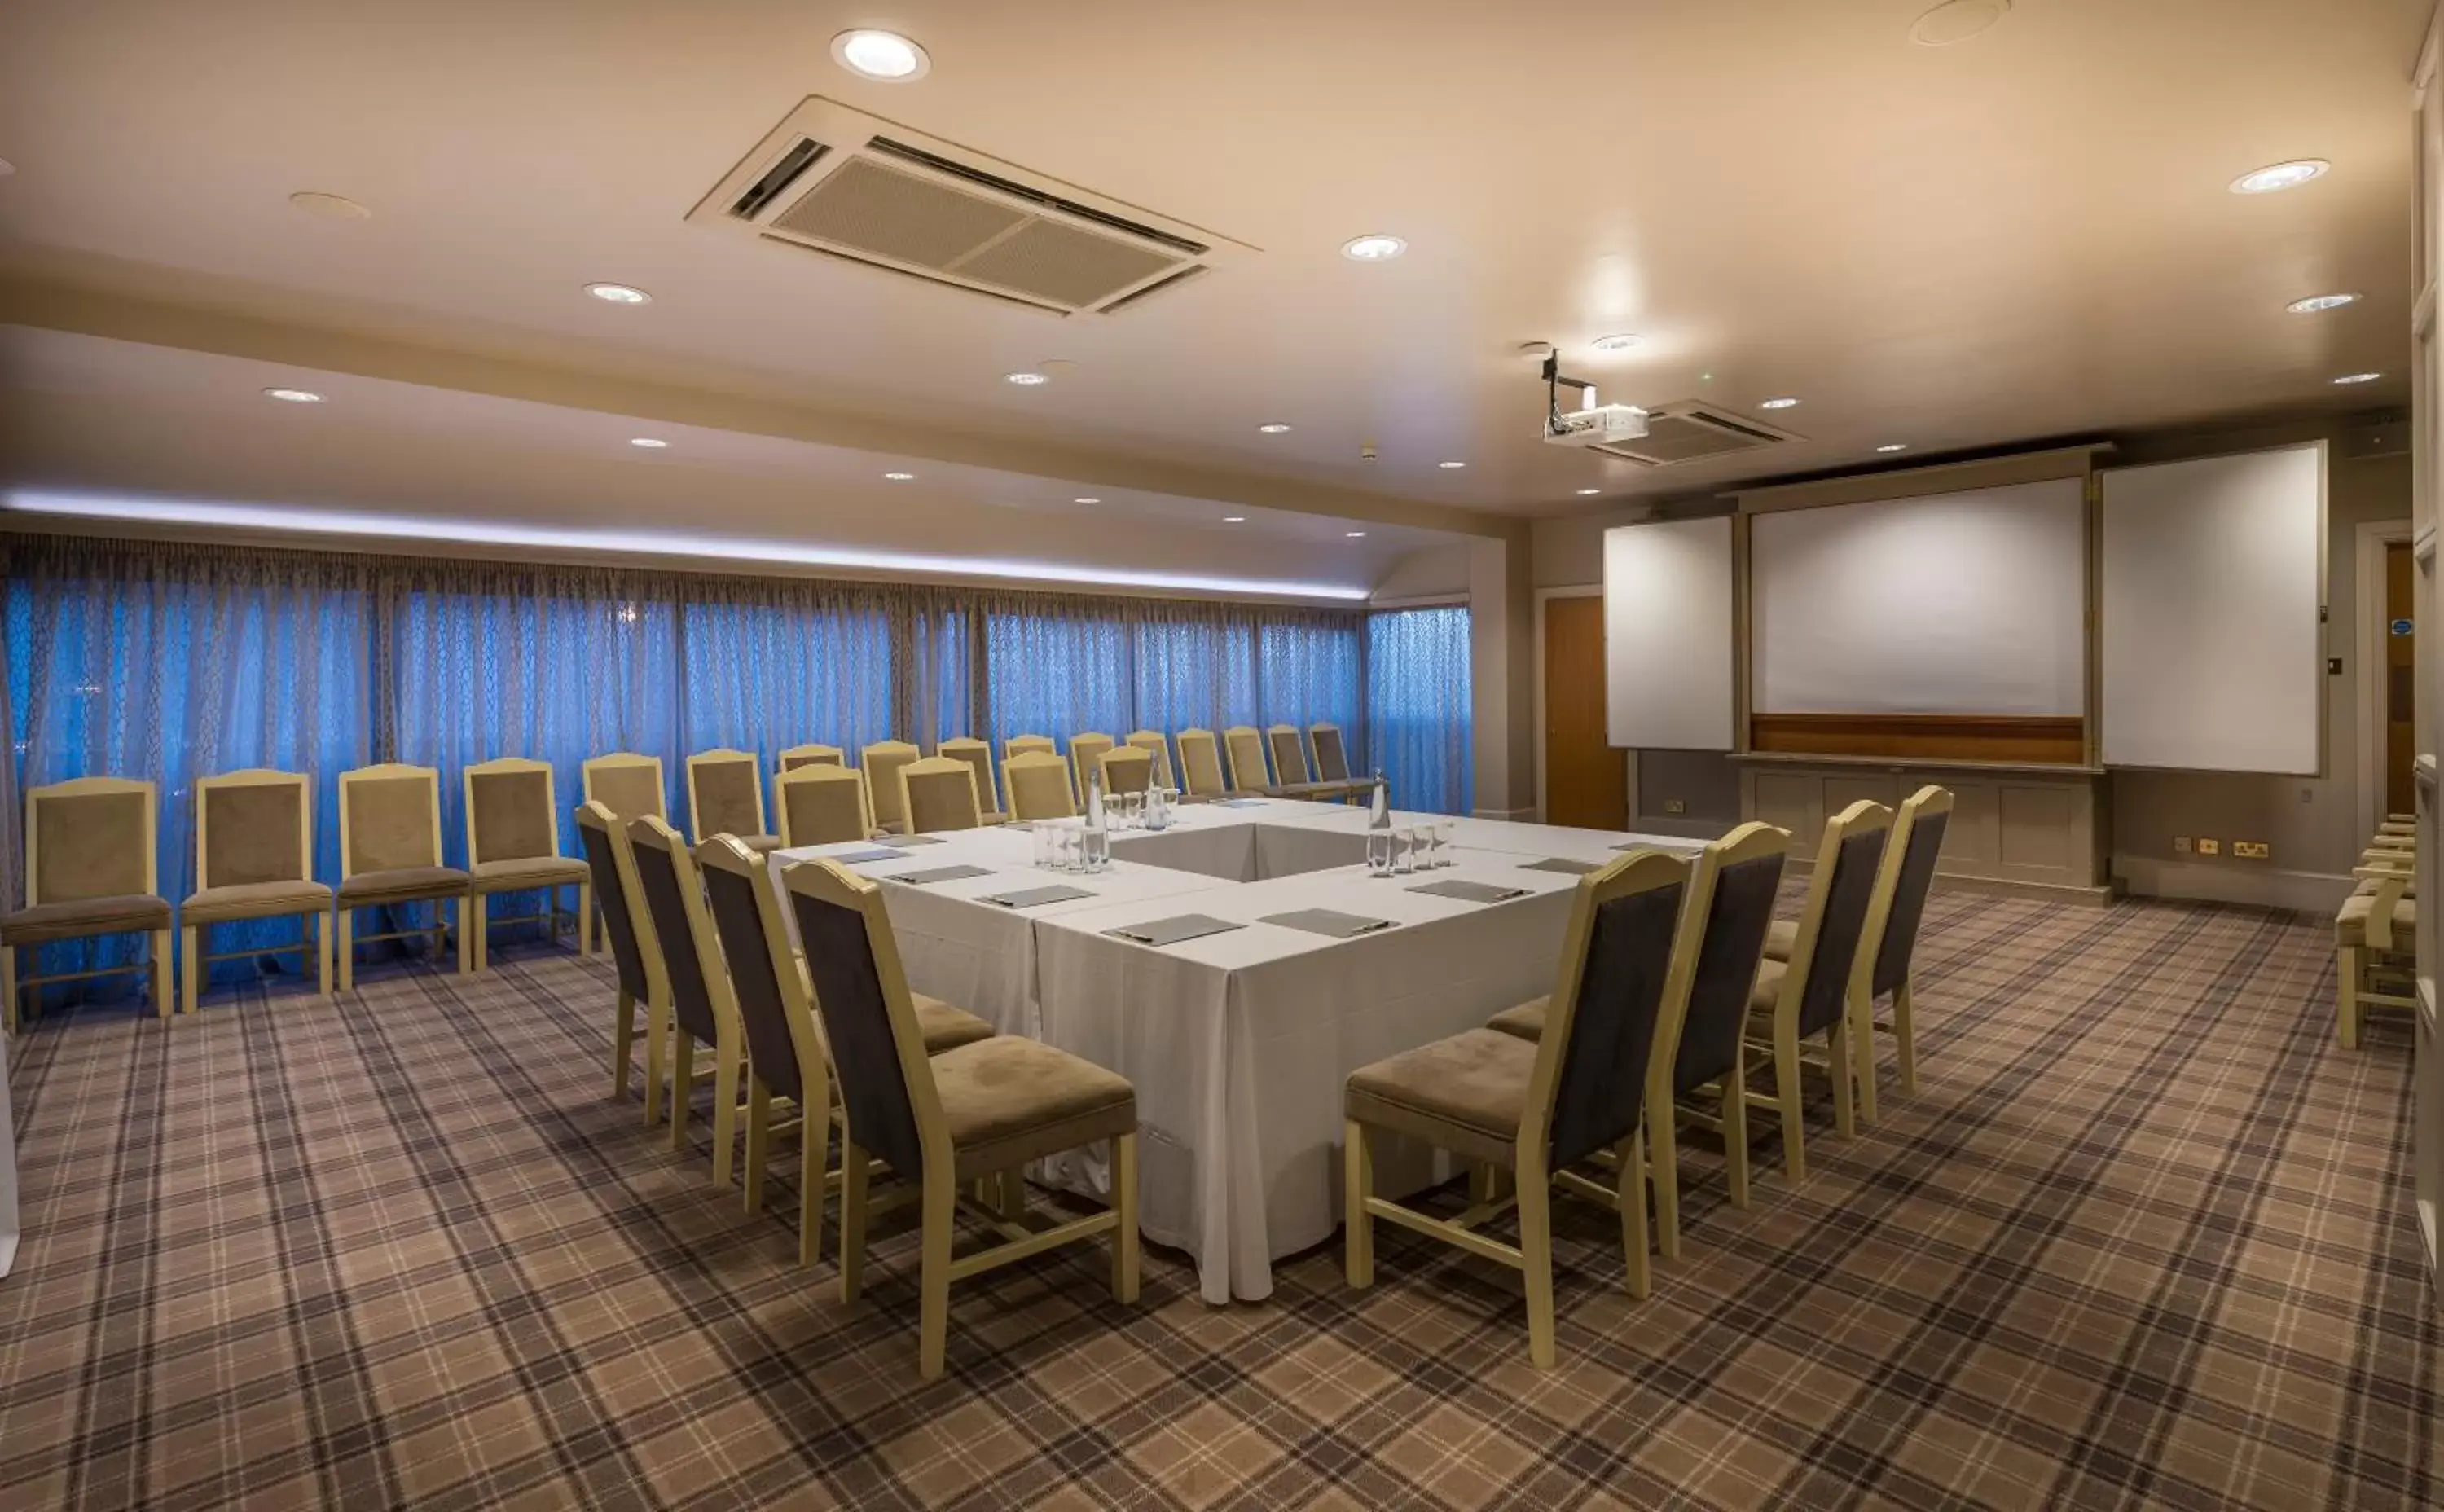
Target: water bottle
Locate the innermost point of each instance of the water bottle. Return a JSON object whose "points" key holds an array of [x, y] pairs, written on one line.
{"points": [[1099, 840], [1378, 829]]}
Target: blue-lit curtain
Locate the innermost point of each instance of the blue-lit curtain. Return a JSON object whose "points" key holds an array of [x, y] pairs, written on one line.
{"points": [[1058, 669], [1193, 671], [1418, 707], [766, 666], [1308, 672]]}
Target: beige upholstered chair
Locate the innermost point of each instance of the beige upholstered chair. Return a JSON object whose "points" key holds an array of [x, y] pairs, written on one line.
{"points": [[797, 756], [1731, 892], [2375, 946], [1087, 757], [1127, 769], [1200, 764], [1038, 785], [254, 860], [1537, 1108], [1245, 746], [90, 870], [1290, 756], [1023, 744], [390, 854], [823, 805], [982, 1112], [979, 756], [628, 784], [1153, 744], [513, 846], [605, 840], [936, 794], [1810, 993], [881, 762], [785, 1061], [1331, 757], [701, 1010], [726, 797]]}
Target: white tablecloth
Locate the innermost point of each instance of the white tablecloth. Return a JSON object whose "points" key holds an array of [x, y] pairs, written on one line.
{"points": [[7, 1168]]}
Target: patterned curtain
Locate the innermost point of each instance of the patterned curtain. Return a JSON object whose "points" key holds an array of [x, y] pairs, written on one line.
{"points": [[1418, 707]]}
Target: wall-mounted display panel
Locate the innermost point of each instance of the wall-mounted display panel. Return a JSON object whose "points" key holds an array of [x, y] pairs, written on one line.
{"points": [[1669, 636]]}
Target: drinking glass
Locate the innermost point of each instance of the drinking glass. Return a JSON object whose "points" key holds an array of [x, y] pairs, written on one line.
{"points": [[1045, 856], [1404, 850], [1446, 838], [1065, 848], [1378, 853]]}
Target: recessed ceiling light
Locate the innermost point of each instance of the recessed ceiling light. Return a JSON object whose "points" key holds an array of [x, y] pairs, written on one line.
{"points": [[293, 395], [899, 478], [1894, 446], [1026, 380], [329, 207], [1086, 499], [1274, 426], [1355, 535], [1234, 519], [1620, 342], [1375, 248], [2316, 302], [651, 443], [1956, 21], [1586, 492], [885, 56], [1786, 402], [2359, 377], [1450, 467], [2277, 176], [618, 294]]}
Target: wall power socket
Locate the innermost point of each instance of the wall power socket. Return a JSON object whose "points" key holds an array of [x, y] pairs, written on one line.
{"points": [[2210, 847]]}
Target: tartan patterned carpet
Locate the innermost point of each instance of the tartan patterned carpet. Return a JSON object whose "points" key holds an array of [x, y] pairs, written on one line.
{"points": [[2143, 1237]]}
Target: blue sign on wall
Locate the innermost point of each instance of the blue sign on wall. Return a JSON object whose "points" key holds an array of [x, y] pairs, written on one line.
{"points": [[2401, 627]]}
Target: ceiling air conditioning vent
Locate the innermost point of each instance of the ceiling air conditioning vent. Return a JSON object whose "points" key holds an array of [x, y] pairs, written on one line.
{"points": [[830, 180], [1688, 430]]}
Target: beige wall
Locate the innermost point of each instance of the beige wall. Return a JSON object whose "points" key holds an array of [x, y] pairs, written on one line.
{"points": [[1502, 667], [1431, 573]]}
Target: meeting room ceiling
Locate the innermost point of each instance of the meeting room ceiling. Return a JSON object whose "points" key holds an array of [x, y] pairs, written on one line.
{"points": [[2024, 233]]}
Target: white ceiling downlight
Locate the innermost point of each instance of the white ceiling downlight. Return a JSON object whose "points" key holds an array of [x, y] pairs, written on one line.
{"points": [[1028, 380], [329, 207], [1786, 402], [1355, 535], [884, 56], [293, 395], [2275, 178], [2359, 377], [1590, 493], [1894, 446], [1372, 247], [1275, 427], [618, 294], [1450, 467], [1234, 519], [651, 443], [899, 478], [1620, 342], [1956, 21], [1086, 498], [2317, 303]]}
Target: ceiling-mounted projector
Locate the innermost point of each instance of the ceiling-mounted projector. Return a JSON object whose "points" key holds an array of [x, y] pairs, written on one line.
{"points": [[1602, 425]]}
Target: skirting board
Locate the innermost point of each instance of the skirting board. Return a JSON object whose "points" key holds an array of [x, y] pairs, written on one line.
{"points": [[2314, 892], [1519, 816]]}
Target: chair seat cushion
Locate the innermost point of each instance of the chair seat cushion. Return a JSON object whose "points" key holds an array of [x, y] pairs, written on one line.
{"points": [[253, 900], [402, 884], [89, 915], [2350, 924], [760, 844], [1779, 937], [1466, 1093], [1010, 1099], [1527, 1020], [1762, 997], [529, 871], [946, 1028]]}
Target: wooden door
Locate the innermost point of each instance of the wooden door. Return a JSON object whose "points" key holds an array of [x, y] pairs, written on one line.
{"points": [[2401, 734], [1587, 780]]}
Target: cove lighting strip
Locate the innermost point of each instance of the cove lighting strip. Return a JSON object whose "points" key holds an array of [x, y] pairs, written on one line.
{"points": [[649, 542]]}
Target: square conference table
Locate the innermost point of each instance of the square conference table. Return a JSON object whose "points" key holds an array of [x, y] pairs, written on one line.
{"points": [[1238, 1044]]}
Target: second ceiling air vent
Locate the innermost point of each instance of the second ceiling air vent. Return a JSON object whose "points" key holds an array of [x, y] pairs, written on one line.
{"points": [[1689, 431], [830, 179]]}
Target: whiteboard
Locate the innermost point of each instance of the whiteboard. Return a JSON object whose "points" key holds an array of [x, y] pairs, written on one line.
{"points": [[1668, 635], [2213, 646], [1949, 603]]}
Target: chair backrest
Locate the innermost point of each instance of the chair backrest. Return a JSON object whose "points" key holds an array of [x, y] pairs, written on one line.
{"points": [[628, 784], [1023, 744], [1086, 756], [869, 1022], [1624, 969], [89, 838], [1200, 764], [675, 901], [1331, 757], [797, 756], [253, 826], [605, 840], [1899, 903], [725, 794], [1127, 769], [1833, 921], [979, 756], [1038, 785], [1289, 754], [939, 793], [768, 996], [390, 818], [1245, 746], [1731, 894], [881, 762], [1152, 743], [510, 810], [823, 805]]}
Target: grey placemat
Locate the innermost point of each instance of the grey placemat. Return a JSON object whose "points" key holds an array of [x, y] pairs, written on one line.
{"points": [[1562, 865], [1327, 922], [1038, 896], [901, 842], [1172, 930], [940, 873], [1471, 891], [868, 857], [1241, 802]]}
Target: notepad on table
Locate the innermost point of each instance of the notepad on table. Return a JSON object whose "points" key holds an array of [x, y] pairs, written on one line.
{"points": [[1471, 891], [904, 841], [1038, 896], [939, 874], [1173, 930], [1327, 922], [867, 857], [1241, 802], [1562, 865]]}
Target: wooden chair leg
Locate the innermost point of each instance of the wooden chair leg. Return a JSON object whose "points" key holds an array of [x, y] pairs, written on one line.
{"points": [[161, 1003], [759, 1142], [1663, 1173], [2346, 993], [852, 1220], [347, 949], [1630, 1189], [1357, 1185], [1124, 1215], [1837, 1060], [725, 1112], [466, 961], [484, 933], [1905, 1038], [1735, 1127], [9, 988], [940, 1202], [1862, 1052], [1536, 1261], [623, 1030], [682, 1086], [658, 1036], [585, 918], [1786, 1085], [814, 1142], [191, 950], [322, 951]]}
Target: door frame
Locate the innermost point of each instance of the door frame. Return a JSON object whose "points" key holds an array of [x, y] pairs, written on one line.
{"points": [[2368, 595], [1629, 758]]}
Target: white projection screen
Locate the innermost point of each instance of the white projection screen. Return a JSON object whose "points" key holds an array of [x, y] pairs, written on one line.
{"points": [[1668, 635], [2213, 649], [1953, 604]]}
